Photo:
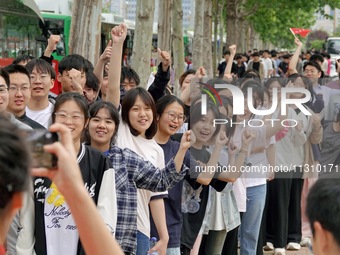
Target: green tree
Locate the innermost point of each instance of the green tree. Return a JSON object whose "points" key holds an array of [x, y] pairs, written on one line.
{"points": [[271, 19], [316, 35], [317, 44]]}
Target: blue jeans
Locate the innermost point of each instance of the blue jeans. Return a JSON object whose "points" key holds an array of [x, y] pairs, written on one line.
{"points": [[143, 244], [251, 219], [173, 251]]}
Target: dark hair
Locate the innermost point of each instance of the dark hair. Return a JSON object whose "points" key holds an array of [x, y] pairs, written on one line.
{"points": [[92, 81], [24, 58], [17, 69], [257, 88], [255, 54], [13, 172], [73, 61], [42, 66], [226, 102], [184, 75], [196, 113], [323, 205], [312, 63], [226, 52], [238, 56], [165, 101], [309, 86], [113, 113], [249, 74], [129, 101], [129, 74], [281, 81], [5, 75], [79, 99], [316, 57], [286, 56]]}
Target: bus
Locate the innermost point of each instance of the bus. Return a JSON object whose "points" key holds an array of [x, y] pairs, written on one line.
{"points": [[333, 48], [59, 24], [20, 32]]}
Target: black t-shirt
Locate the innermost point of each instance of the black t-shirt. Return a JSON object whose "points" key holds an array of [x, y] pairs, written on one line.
{"points": [[192, 222], [221, 68], [173, 201], [256, 66]]}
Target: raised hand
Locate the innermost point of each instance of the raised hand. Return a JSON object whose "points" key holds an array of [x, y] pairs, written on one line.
{"points": [[75, 76], [232, 149], [107, 52], [118, 34], [221, 138], [165, 59], [200, 73], [232, 49], [186, 140], [297, 42], [247, 137], [52, 42]]}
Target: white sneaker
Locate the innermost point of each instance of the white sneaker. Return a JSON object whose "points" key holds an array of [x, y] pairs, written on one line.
{"points": [[306, 242], [279, 251], [268, 247], [293, 246]]}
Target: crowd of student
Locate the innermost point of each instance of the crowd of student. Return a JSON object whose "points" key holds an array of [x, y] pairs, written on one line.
{"points": [[132, 150]]}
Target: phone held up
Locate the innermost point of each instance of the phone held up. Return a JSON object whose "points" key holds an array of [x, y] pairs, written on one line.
{"points": [[41, 158]]}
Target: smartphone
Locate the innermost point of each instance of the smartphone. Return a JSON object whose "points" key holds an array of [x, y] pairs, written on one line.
{"points": [[41, 158]]}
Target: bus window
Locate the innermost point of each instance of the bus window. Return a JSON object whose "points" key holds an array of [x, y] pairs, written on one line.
{"points": [[333, 46], [56, 27], [18, 32]]}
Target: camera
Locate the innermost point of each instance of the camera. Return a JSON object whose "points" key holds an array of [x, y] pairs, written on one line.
{"points": [[41, 158]]}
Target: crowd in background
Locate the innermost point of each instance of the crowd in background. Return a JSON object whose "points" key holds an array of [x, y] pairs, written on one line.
{"points": [[132, 148]]}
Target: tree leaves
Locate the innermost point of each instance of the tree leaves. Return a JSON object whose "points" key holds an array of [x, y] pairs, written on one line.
{"points": [[271, 19]]}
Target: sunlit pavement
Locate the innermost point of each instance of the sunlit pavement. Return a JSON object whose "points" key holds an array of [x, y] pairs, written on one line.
{"points": [[302, 251]]}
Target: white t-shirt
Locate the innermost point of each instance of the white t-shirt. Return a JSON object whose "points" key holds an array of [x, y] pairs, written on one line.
{"points": [[59, 223], [151, 151], [43, 117], [255, 173], [268, 65]]}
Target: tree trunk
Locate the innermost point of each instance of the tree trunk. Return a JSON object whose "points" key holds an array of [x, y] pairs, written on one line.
{"points": [[85, 29], [198, 35], [221, 33], [242, 35], [231, 21], [177, 41], [215, 15], [251, 45], [207, 38], [142, 47], [164, 25]]}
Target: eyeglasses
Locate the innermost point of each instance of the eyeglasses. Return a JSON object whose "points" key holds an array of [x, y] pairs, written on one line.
{"points": [[25, 88], [42, 77], [62, 117], [172, 116], [3, 90]]}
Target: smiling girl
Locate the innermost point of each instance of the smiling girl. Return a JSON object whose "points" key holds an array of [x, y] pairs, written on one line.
{"points": [[53, 219]]}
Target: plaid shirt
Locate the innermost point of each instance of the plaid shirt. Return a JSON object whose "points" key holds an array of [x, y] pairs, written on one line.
{"points": [[132, 172]]}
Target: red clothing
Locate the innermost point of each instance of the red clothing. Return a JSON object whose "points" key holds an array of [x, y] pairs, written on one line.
{"points": [[2, 250]]}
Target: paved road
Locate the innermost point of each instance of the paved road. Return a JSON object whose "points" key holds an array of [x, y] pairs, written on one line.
{"points": [[302, 251]]}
